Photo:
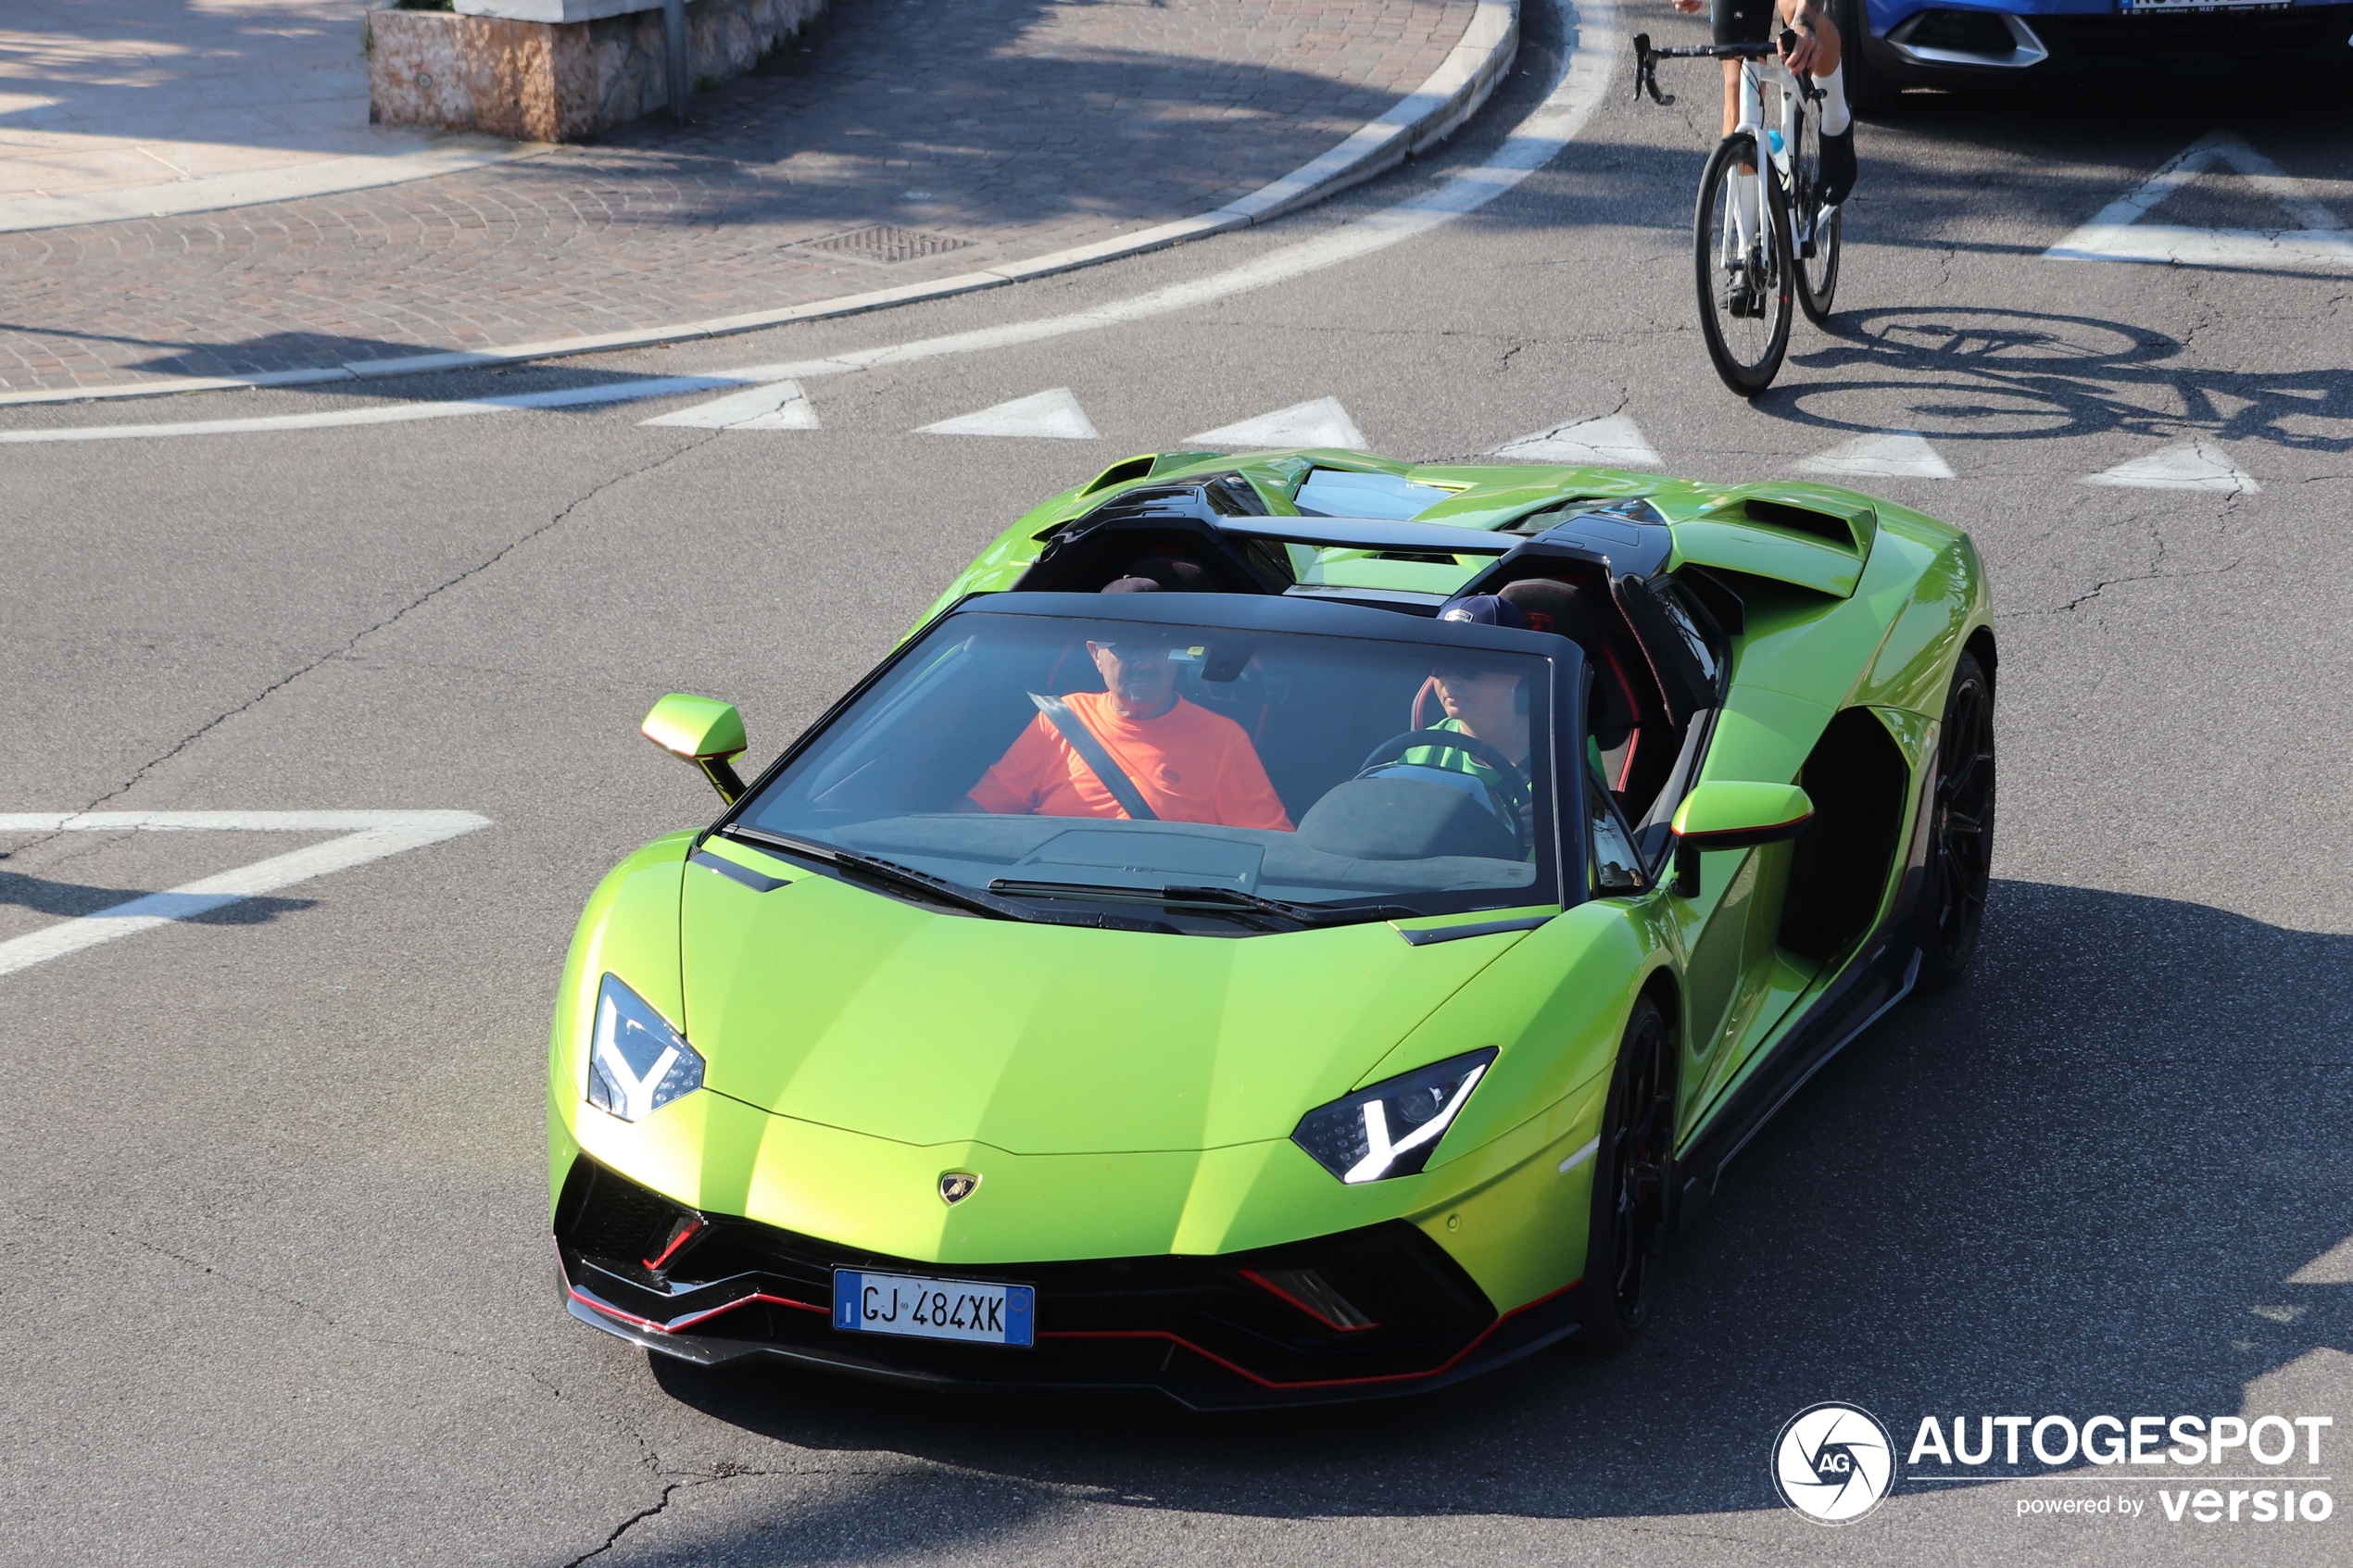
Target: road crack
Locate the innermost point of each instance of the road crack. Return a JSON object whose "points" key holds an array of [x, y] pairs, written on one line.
{"points": [[345, 649]]}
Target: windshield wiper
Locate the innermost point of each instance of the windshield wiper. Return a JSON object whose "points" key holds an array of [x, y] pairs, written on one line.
{"points": [[1218, 900], [1114, 892], [873, 866], [1306, 915]]}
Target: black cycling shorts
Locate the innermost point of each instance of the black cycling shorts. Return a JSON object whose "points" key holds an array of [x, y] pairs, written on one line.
{"points": [[1746, 22]]}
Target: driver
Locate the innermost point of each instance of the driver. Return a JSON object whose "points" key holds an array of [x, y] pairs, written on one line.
{"points": [[1489, 705], [1482, 702], [1189, 765]]}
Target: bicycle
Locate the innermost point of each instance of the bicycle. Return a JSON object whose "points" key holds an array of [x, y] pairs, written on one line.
{"points": [[1748, 263]]}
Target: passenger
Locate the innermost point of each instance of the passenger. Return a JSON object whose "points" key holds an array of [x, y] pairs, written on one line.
{"points": [[1186, 763]]}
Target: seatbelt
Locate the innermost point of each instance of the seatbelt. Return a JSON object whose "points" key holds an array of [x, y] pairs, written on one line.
{"points": [[1091, 751]]}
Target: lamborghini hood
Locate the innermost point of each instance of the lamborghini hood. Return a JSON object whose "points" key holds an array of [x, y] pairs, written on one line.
{"points": [[832, 1004]]}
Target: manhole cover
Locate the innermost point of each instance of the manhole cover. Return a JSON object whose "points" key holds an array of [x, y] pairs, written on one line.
{"points": [[884, 243]]}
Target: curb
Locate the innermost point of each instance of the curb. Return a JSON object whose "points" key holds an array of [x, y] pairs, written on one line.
{"points": [[1451, 95]]}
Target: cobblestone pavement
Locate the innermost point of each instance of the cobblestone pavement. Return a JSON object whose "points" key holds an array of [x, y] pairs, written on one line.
{"points": [[897, 141]]}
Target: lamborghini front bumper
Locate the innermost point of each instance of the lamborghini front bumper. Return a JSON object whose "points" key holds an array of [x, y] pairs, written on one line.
{"points": [[1211, 1333]]}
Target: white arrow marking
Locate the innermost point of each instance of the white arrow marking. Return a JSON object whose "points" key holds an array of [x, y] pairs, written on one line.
{"points": [[778, 405], [2194, 465], [1320, 423], [1585, 79], [368, 836], [2316, 238], [1054, 415], [1614, 440], [1889, 454]]}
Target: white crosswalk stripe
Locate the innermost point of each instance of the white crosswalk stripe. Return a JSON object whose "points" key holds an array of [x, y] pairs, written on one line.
{"points": [[1887, 454], [1612, 441], [367, 835], [1054, 415], [778, 405], [2191, 466], [1322, 422], [2315, 239]]}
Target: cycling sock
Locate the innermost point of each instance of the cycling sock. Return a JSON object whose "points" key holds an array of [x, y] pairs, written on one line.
{"points": [[1835, 118], [1744, 202]]}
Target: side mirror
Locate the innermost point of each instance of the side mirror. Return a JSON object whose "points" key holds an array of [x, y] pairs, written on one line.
{"points": [[705, 732], [1726, 815]]}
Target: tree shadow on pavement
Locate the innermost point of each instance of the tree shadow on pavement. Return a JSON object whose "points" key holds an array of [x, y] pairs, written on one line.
{"points": [[2077, 1184], [40, 895]]}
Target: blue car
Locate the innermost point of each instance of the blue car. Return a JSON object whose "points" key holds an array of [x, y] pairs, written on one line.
{"points": [[1936, 43]]}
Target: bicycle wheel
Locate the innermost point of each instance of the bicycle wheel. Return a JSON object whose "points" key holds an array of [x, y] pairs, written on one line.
{"points": [[1815, 235], [1744, 289]]}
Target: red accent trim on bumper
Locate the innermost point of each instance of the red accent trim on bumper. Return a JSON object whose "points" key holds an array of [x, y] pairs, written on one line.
{"points": [[679, 1325], [682, 1232], [1446, 1365]]}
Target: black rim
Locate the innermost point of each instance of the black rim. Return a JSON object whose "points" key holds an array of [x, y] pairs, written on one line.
{"points": [[1744, 300], [1964, 817], [1637, 1167]]}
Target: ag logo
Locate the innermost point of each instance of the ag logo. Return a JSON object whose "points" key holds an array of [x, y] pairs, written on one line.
{"points": [[1833, 1463], [957, 1186]]}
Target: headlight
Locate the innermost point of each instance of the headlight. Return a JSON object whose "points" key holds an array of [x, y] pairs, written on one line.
{"points": [[638, 1063], [1390, 1129]]}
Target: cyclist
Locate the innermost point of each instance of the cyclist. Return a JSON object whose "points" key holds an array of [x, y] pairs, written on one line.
{"points": [[1817, 52]]}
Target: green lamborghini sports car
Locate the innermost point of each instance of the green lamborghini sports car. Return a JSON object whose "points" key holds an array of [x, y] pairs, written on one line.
{"points": [[1284, 928]]}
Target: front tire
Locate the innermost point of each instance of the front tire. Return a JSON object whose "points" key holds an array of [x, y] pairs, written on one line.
{"points": [[1960, 848], [1743, 298], [1631, 1173]]}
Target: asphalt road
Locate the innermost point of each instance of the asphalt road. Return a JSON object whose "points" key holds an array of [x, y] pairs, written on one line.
{"points": [[272, 1204]]}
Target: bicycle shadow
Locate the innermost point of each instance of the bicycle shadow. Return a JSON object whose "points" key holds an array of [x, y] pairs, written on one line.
{"points": [[1984, 373]]}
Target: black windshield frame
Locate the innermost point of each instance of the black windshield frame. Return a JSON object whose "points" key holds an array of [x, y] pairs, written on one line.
{"points": [[1563, 737]]}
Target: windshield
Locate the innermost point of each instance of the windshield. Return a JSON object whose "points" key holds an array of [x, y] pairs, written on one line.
{"points": [[1032, 757]]}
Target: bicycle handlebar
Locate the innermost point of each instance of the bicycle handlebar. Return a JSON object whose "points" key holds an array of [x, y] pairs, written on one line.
{"points": [[1646, 62]]}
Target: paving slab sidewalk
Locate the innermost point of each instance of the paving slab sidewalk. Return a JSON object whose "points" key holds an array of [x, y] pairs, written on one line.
{"points": [[900, 140], [114, 108]]}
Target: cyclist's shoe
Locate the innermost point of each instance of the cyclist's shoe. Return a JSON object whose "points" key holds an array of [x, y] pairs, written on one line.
{"points": [[1838, 167], [1744, 299]]}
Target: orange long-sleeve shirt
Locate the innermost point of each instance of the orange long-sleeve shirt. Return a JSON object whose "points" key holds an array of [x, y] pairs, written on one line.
{"points": [[1189, 764]]}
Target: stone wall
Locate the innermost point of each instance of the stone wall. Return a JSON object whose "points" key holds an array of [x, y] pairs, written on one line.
{"points": [[556, 82]]}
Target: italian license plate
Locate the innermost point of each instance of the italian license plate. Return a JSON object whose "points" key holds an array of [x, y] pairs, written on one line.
{"points": [[934, 1309], [2151, 7]]}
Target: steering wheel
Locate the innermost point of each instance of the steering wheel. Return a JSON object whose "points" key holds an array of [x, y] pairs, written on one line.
{"points": [[1520, 787]]}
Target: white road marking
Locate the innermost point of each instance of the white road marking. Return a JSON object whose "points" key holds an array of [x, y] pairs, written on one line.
{"points": [[1888, 454], [2332, 1267], [777, 406], [368, 835], [1584, 78], [1613, 441], [2316, 240], [2192, 466], [1322, 422], [1053, 415], [397, 413]]}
